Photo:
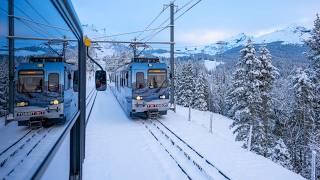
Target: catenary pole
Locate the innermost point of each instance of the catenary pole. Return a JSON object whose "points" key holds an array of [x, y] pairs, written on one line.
{"points": [[11, 58], [172, 76]]}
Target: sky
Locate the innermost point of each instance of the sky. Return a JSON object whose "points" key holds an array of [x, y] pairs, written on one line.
{"points": [[207, 22]]}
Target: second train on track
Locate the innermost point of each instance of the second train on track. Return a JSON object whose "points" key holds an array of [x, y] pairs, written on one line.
{"points": [[141, 87]]}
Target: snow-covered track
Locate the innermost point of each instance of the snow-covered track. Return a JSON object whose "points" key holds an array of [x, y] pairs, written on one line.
{"points": [[91, 99], [20, 151], [17, 141], [202, 163], [166, 150]]}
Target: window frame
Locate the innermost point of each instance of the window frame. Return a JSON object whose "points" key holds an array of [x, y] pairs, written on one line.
{"points": [[54, 73], [43, 78], [144, 83]]}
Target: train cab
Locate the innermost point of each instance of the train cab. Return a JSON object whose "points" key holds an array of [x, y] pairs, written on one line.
{"points": [[46, 91], [141, 87]]}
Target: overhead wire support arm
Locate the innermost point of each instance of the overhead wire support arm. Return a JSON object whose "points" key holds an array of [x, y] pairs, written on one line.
{"points": [[131, 42], [95, 62]]}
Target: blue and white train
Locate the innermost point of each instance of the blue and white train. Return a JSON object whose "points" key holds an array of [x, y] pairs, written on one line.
{"points": [[141, 87], [46, 91]]}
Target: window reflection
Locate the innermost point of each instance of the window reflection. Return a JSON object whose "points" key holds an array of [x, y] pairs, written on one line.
{"points": [[3, 57]]}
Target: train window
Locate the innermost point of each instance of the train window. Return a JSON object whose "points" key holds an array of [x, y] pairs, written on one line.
{"points": [[127, 79], [157, 78], [140, 80], [30, 81], [121, 79], [76, 81], [53, 82]]}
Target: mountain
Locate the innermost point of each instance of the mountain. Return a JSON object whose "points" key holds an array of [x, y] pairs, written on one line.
{"points": [[292, 35]]}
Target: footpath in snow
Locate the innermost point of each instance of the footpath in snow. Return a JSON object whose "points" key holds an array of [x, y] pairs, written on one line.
{"points": [[220, 147], [120, 148]]}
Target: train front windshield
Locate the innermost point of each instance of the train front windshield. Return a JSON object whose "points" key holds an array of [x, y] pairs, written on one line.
{"points": [[157, 78], [30, 81]]}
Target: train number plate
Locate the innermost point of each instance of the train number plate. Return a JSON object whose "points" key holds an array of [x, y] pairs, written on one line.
{"points": [[156, 105]]}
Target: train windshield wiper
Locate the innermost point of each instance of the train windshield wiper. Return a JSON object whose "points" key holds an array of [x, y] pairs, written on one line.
{"points": [[161, 86]]}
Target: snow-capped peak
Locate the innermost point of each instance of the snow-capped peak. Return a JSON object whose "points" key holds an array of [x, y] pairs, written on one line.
{"points": [[289, 35]]}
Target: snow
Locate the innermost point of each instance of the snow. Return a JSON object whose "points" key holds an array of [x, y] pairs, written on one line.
{"points": [[221, 148], [288, 35], [120, 148], [58, 168], [211, 65]]}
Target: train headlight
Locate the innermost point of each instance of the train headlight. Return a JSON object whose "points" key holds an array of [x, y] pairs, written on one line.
{"points": [[139, 98], [162, 96], [54, 102], [22, 104]]}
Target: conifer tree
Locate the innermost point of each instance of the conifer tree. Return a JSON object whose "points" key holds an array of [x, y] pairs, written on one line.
{"points": [[302, 122], [201, 93], [245, 99], [186, 85], [268, 75]]}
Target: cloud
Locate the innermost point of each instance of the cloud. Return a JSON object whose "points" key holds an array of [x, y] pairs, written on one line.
{"points": [[202, 36]]}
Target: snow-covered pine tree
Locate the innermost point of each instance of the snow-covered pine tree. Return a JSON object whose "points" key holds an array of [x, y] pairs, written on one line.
{"points": [[245, 99], [186, 85], [280, 154], [269, 73], [200, 101], [3, 87], [302, 122], [314, 55], [178, 72]]}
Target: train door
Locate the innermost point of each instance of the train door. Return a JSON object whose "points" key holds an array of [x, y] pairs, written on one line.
{"points": [[70, 95]]}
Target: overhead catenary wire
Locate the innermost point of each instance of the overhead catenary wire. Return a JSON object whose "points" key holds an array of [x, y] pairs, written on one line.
{"points": [[188, 9], [39, 14], [127, 33], [166, 20], [148, 38], [149, 25], [38, 23]]}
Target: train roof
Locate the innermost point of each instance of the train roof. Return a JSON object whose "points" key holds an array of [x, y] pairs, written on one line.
{"points": [[44, 59], [139, 65], [146, 60]]}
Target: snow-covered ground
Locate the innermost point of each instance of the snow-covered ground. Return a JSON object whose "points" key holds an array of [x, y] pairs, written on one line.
{"points": [[120, 148], [221, 148]]}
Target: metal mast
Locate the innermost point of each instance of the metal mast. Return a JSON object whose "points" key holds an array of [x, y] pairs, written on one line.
{"points": [[172, 76]]}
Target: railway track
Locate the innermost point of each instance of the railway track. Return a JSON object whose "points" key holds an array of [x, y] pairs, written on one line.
{"points": [[15, 154], [193, 164], [20, 150]]}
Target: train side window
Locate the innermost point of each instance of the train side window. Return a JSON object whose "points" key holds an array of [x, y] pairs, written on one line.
{"points": [[76, 81], [127, 78], [140, 80], [53, 82], [66, 83], [121, 79]]}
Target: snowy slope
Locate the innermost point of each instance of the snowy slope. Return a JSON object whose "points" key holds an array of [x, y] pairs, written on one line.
{"points": [[221, 148], [289, 35]]}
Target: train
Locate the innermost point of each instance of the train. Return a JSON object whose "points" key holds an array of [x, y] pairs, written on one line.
{"points": [[46, 91], [141, 87]]}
